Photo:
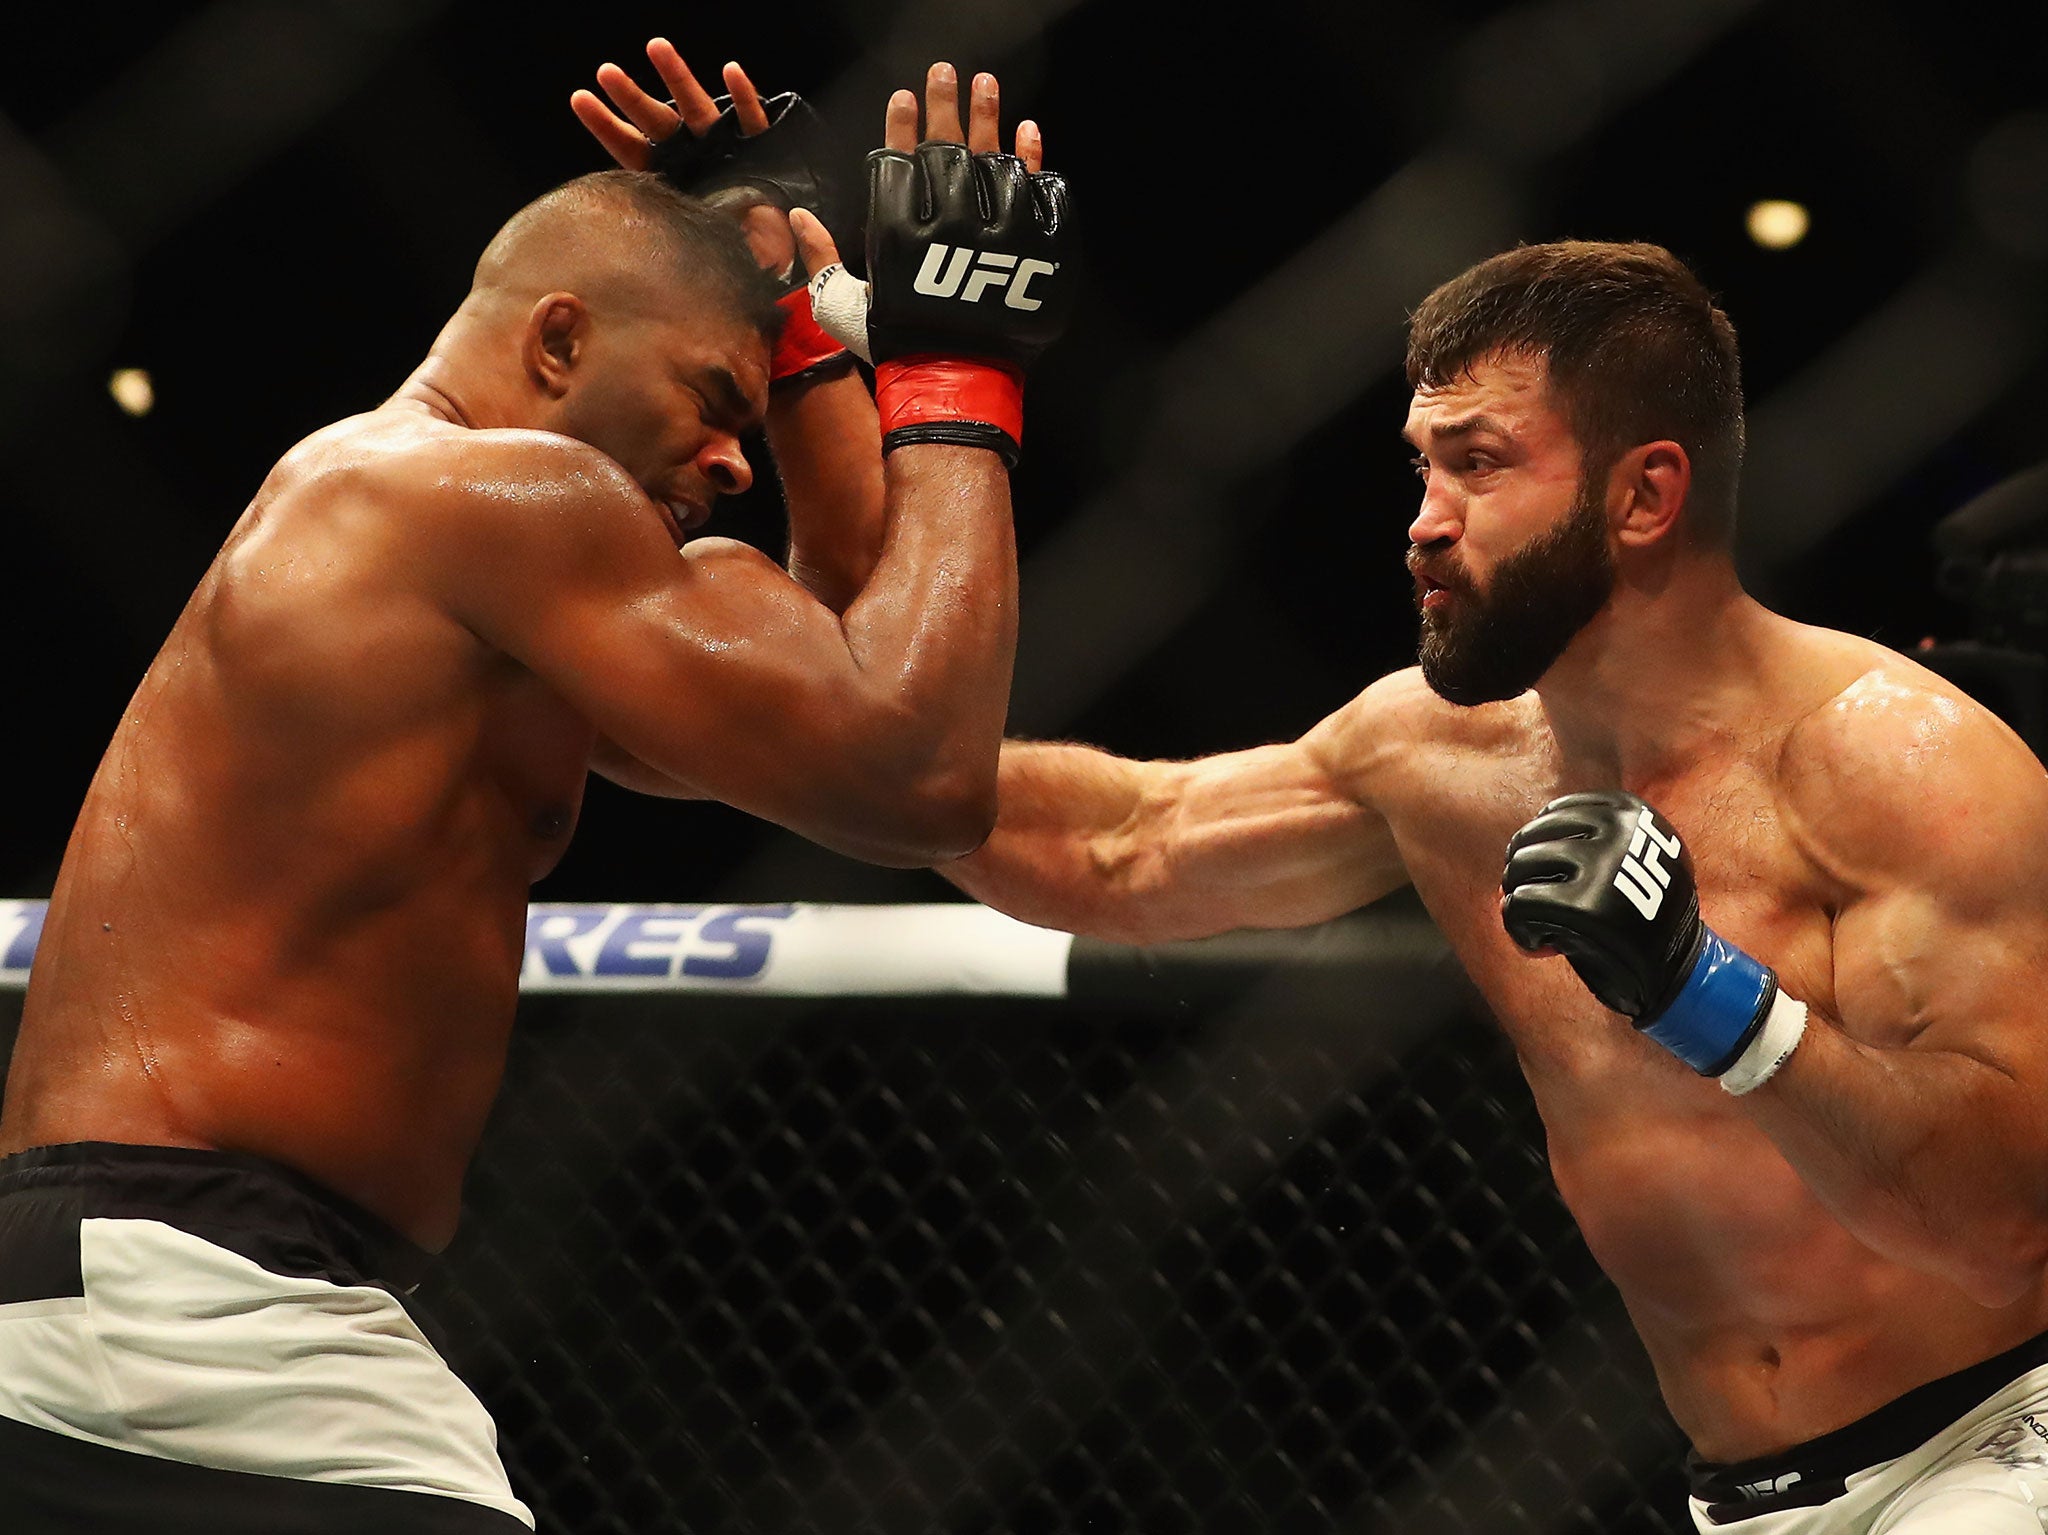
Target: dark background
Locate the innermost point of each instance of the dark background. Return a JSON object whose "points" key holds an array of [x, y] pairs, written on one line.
{"points": [[273, 206]]}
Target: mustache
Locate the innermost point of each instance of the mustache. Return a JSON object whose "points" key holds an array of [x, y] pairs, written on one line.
{"points": [[1442, 570]]}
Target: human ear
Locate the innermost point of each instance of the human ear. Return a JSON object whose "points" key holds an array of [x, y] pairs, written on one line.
{"points": [[1648, 487], [552, 344]]}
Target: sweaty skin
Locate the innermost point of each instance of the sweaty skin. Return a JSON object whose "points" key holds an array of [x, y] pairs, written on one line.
{"points": [[292, 910], [1871, 1218], [291, 916]]}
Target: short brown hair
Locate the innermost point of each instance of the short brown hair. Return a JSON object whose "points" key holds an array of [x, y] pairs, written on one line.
{"points": [[1635, 347]]}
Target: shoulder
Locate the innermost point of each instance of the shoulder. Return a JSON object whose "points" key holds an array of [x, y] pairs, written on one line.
{"points": [[1899, 772], [508, 474], [1399, 737], [402, 476], [499, 529], [1399, 717], [1404, 703]]}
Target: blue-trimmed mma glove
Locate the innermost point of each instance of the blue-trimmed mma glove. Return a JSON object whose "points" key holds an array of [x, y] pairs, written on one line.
{"points": [[1605, 881], [777, 167], [971, 274]]}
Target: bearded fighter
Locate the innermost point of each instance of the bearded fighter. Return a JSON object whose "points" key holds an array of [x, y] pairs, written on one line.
{"points": [[1772, 932]]}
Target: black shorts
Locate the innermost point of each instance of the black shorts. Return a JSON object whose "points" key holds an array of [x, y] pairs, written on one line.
{"points": [[200, 1343]]}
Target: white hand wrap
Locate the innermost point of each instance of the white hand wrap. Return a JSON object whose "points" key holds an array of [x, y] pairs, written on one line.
{"points": [[1784, 1026], [839, 303]]}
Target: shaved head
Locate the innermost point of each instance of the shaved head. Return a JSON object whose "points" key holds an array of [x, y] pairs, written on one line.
{"points": [[629, 245]]}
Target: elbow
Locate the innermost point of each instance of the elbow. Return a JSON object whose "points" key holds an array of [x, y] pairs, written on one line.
{"points": [[2009, 1272], [952, 816], [1997, 1268], [1996, 1286], [918, 822]]}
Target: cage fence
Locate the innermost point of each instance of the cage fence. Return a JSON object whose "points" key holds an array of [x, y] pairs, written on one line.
{"points": [[1276, 1250], [1253, 1234]]}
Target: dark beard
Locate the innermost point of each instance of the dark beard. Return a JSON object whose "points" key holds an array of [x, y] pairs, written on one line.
{"points": [[1494, 645]]}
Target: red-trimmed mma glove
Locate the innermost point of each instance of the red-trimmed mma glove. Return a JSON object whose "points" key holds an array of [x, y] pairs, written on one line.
{"points": [[971, 276], [777, 167]]}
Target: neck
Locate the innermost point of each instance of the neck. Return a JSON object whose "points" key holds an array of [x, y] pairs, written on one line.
{"points": [[1663, 674], [454, 384]]}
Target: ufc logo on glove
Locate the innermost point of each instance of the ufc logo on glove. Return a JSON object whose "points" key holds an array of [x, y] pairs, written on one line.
{"points": [[945, 266], [1640, 866]]}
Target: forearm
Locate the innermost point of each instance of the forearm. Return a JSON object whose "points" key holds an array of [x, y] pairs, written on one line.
{"points": [[1062, 853], [1932, 1158], [1154, 852], [826, 442], [932, 636]]}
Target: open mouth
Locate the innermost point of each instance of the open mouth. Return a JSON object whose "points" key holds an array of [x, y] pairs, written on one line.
{"points": [[1430, 594], [683, 516]]}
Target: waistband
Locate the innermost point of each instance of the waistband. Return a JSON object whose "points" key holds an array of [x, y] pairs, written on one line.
{"points": [[269, 1213], [1817, 1471]]}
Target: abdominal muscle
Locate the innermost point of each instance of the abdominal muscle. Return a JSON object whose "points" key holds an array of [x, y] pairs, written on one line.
{"points": [[1767, 1321]]}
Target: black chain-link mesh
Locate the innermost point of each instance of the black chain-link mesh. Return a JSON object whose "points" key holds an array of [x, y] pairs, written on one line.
{"points": [[981, 1265], [1291, 1262]]}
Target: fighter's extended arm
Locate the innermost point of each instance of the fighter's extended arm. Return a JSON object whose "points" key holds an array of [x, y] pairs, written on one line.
{"points": [[1148, 852], [1917, 1112]]}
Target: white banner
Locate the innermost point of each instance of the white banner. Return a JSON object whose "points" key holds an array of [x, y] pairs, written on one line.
{"points": [[795, 950]]}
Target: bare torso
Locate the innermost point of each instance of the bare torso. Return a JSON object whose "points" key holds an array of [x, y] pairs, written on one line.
{"points": [[1767, 1321], [291, 914]]}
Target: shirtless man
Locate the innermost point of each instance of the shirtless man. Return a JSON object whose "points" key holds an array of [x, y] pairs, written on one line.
{"points": [[270, 1008], [1823, 1193]]}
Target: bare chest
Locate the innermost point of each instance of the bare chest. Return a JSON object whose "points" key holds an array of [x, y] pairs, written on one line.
{"points": [[1756, 889]]}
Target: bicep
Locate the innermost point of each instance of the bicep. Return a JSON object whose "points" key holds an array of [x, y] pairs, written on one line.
{"points": [[724, 677], [1923, 966], [711, 668], [1943, 941]]}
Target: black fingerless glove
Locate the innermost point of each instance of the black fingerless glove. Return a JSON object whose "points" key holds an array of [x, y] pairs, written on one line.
{"points": [[779, 166], [972, 268], [1606, 882]]}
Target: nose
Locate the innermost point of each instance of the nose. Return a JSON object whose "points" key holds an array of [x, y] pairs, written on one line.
{"points": [[1440, 519], [724, 464]]}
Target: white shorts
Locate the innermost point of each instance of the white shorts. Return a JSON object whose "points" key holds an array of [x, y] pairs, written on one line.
{"points": [[195, 1341], [1978, 1468]]}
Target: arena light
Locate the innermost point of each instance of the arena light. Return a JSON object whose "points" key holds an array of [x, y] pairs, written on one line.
{"points": [[133, 390], [1777, 224]]}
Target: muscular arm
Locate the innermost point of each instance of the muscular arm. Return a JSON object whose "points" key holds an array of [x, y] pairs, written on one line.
{"points": [[873, 732], [827, 443], [1919, 1115], [1146, 852], [826, 440]]}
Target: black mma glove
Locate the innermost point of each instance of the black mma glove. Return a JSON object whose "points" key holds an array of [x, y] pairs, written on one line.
{"points": [[1606, 882], [777, 167], [779, 164], [970, 272]]}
